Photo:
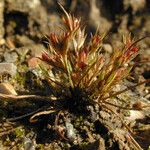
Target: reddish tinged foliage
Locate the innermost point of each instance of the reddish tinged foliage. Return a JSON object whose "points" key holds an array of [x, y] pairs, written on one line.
{"points": [[129, 53], [59, 43], [96, 40], [71, 22], [80, 74], [77, 64]]}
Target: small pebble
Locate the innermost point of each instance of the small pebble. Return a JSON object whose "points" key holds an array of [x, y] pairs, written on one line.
{"points": [[2, 41], [9, 68], [70, 131], [33, 62], [28, 144], [10, 57]]}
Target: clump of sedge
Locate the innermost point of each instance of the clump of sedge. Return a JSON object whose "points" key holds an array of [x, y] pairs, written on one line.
{"points": [[79, 68]]}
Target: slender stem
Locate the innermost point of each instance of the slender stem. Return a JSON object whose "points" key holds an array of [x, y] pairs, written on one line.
{"points": [[69, 74], [22, 116], [118, 106], [137, 41], [30, 97]]}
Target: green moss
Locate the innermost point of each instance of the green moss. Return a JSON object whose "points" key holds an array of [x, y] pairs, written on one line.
{"points": [[19, 132]]}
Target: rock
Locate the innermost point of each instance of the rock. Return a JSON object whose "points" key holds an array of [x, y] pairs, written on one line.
{"points": [[71, 135], [28, 144], [10, 57], [9, 68], [7, 88]]}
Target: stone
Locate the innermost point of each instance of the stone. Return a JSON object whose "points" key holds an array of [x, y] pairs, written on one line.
{"points": [[10, 57], [71, 135], [33, 62], [9, 68], [28, 144]]}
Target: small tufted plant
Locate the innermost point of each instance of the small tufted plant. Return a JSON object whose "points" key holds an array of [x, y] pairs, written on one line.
{"points": [[78, 69]]}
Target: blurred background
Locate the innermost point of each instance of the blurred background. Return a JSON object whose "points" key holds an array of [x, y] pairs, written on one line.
{"points": [[34, 18], [23, 23]]}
